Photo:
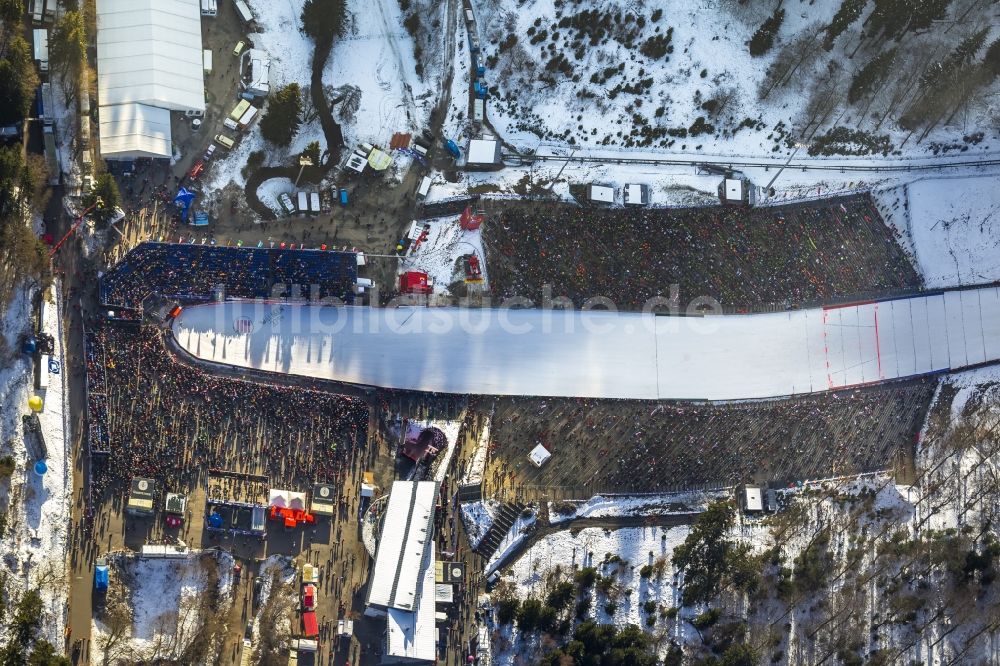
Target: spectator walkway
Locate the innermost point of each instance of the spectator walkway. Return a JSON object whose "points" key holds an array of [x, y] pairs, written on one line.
{"points": [[603, 354]]}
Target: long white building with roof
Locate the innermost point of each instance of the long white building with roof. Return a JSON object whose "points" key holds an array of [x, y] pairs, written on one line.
{"points": [[149, 62], [401, 582]]}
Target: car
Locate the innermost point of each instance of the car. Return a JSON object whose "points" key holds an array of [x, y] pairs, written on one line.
{"points": [[343, 197], [208, 153], [196, 170], [239, 48]]}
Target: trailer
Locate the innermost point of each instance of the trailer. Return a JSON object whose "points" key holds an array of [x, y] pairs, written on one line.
{"points": [[425, 187], [314, 207], [302, 202], [37, 10], [478, 109], [206, 60], [40, 41], [51, 154], [239, 110], [47, 107], [248, 118], [85, 131], [209, 7], [243, 10], [43, 371]]}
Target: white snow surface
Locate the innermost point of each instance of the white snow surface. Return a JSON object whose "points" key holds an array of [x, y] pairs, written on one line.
{"points": [[588, 547], [269, 191], [34, 544], [617, 506], [375, 55], [709, 59], [437, 256], [477, 517], [165, 604], [954, 223], [519, 531]]}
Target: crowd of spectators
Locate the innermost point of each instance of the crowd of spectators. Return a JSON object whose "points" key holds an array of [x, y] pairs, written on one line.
{"points": [[740, 257], [163, 419], [188, 272], [619, 446]]}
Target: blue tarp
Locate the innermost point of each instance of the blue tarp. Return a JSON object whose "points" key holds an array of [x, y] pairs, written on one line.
{"points": [[101, 578], [183, 201]]}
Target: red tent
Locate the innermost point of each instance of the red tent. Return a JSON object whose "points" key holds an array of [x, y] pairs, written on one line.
{"points": [[309, 597], [414, 282], [470, 222], [309, 625]]}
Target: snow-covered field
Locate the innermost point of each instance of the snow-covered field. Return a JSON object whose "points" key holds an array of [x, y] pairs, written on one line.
{"points": [[955, 227], [33, 546], [439, 255], [616, 553], [635, 505], [556, 73], [477, 518], [166, 598]]}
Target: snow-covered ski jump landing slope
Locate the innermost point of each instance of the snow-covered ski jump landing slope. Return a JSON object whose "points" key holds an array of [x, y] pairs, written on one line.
{"points": [[603, 354]]}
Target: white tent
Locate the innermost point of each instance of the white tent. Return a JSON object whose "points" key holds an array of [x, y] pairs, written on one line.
{"points": [[260, 72], [539, 455], [286, 499], [134, 130], [149, 52]]}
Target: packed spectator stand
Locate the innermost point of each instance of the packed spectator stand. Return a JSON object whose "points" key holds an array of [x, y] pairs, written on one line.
{"points": [[192, 273]]}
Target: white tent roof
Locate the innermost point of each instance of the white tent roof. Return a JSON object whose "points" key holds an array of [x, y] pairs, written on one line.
{"points": [[407, 538], [134, 130], [734, 189], [483, 152], [539, 455], [149, 51], [286, 499], [753, 499], [412, 633], [260, 72]]}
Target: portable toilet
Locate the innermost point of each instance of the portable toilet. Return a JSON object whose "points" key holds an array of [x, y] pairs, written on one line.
{"points": [[101, 576]]}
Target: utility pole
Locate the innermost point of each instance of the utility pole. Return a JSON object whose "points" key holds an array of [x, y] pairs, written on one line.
{"points": [[798, 145], [304, 161]]}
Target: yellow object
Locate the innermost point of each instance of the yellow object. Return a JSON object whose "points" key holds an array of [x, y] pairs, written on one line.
{"points": [[35, 403]]}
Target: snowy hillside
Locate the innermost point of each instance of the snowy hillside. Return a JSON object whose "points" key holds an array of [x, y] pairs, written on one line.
{"points": [[678, 75]]}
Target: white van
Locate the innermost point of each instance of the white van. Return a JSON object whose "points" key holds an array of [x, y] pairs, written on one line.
{"points": [[224, 141], [425, 187]]}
